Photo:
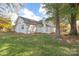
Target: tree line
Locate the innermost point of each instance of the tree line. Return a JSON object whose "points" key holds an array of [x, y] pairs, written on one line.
{"points": [[58, 11]]}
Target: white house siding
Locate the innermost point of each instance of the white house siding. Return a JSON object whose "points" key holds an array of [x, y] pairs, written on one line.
{"points": [[31, 29], [45, 29], [19, 27], [49, 28]]}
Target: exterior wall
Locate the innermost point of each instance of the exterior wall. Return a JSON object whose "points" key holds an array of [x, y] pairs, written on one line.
{"points": [[20, 25], [45, 29], [32, 28]]}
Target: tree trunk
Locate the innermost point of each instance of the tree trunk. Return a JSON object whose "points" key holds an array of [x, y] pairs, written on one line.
{"points": [[57, 24], [73, 30]]}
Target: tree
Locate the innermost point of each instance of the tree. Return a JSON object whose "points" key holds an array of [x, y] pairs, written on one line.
{"points": [[5, 24], [73, 30], [57, 23], [70, 10], [53, 10], [6, 9]]}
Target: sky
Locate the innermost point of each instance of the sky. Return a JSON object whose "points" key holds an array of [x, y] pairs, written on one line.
{"points": [[32, 11]]}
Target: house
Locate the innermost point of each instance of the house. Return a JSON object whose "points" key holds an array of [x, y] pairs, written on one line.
{"points": [[25, 25], [48, 27]]}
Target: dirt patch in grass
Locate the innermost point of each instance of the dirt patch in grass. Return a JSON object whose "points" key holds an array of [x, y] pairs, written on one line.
{"points": [[73, 39]]}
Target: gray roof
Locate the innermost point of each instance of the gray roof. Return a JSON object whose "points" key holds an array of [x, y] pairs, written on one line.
{"points": [[29, 21]]}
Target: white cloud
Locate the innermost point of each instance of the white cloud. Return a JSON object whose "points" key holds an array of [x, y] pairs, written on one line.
{"points": [[29, 14], [43, 11]]}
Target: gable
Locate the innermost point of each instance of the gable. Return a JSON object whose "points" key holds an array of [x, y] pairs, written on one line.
{"points": [[18, 21]]}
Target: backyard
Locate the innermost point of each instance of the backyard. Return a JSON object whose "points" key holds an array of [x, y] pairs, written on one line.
{"points": [[13, 44]]}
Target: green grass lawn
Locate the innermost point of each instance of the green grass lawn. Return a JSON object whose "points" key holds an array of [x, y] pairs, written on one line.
{"points": [[12, 44]]}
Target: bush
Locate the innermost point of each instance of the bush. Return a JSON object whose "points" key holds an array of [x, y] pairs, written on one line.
{"points": [[5, 25], [64, 28]]}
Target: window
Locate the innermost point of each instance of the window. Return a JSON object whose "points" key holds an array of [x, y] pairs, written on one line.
{"points": [[22, 27]]}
